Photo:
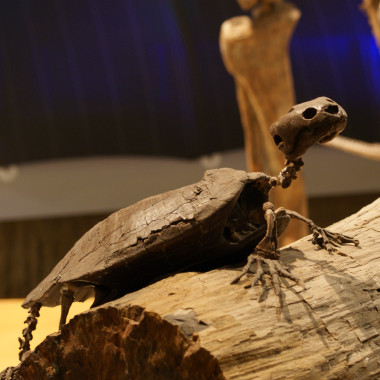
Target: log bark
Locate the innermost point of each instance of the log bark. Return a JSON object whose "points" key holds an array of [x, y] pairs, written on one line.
{"points": [[255, 52], [329, 331]]}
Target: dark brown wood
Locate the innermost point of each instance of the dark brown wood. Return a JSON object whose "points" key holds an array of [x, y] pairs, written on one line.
{"points": [[29, 249], [143, 346], [326, 210]]}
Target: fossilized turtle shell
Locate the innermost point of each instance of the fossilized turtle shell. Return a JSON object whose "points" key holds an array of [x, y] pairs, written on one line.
{"points": [[218, 216]]}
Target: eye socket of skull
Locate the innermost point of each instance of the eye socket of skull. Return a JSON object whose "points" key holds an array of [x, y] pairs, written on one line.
{"points": [[332, 108], [318, 120], [309, 113]]}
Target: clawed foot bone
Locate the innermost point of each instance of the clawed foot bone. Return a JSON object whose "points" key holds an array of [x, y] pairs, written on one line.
{"points": [[273, 269], [331, 240], [323, 238]]}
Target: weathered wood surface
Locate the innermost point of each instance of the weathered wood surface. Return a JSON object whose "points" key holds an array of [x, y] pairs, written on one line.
{"points": [[29, 249], [329, 331]]}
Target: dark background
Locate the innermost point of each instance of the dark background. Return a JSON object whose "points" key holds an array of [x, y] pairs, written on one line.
{"points": [[92, 77]]}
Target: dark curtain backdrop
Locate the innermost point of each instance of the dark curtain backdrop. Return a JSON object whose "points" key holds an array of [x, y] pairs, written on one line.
{"points": [[92, 77]]}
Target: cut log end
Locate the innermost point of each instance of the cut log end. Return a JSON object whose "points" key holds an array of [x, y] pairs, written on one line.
{"points": [[119, 343]]}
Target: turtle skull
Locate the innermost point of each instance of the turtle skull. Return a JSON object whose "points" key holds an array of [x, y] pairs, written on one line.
{"points": [[319, 120]]}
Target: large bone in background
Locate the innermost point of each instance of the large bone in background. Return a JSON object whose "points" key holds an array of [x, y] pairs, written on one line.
{"points": [[372, 9], [329, 331], [361, 148], [255, 52]]}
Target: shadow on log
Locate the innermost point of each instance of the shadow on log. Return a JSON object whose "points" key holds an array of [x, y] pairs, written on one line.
{"points": [[331, 330]]}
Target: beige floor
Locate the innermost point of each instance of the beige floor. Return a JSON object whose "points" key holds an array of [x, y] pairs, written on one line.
{"points": [[12, 316]]}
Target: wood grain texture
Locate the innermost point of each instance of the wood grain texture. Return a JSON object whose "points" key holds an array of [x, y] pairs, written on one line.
{"points": [[29, 249], [329, 331]]}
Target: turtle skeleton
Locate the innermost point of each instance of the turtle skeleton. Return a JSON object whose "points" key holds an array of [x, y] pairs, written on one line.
{"points": [[225, 215]]}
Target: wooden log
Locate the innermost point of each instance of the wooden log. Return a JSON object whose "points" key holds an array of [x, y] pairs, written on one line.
{"points": [[255, 52], [329, 331]]}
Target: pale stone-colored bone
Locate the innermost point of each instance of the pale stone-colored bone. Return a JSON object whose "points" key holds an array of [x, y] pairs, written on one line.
{"points": [[372, 9], [247, 5], [357, 147], [255, 52]]}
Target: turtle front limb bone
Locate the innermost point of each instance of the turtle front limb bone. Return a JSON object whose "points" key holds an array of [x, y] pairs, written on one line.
{"points": [[67, 298], [323, 238], [265, 269], [266, 254]]}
